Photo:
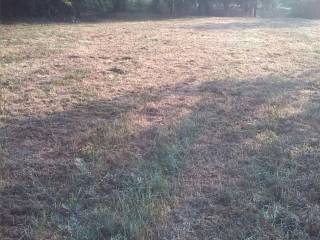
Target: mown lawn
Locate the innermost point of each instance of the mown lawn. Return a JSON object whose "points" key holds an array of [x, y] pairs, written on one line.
{"points": [[199, 128]]}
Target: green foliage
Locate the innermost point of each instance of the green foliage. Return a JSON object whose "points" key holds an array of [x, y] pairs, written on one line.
{"points": [[85, 8]]}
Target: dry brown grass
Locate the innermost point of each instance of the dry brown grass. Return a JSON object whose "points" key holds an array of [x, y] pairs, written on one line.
{"points": [[208, 127]]}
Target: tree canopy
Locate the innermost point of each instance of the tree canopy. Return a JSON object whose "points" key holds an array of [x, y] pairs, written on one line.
{"points": [[98, 8]]}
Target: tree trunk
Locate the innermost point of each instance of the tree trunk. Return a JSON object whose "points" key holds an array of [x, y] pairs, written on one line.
{"points": [[226, 5], [76, 5], [119, 5], [255, 7], [155, 6], [1, 16], [172, 7], [203, 7]]}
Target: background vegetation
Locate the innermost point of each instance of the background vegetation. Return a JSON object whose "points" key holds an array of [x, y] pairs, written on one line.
{"points": [[104, 8]]}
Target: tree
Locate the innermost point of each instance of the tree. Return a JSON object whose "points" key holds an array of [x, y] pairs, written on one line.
{"points": [[226, 6], [203, 7], [76, 6], [250, 7], [119, 5], [306, 9], [155, 5]]}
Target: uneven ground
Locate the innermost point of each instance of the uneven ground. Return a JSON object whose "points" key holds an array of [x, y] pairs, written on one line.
{"points": [[179, 129]]}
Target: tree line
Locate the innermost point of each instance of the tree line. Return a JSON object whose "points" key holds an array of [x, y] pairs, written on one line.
{"points": [[101, 8], [80, 8]]}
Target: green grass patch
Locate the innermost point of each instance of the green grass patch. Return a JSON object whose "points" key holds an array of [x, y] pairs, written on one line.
{"points": [[317, 51], [2, 102], [26, 55], [282, 185], [12, 58], [11, 84], [71, 77], [77, 74], [109, 138], [142, 196]]}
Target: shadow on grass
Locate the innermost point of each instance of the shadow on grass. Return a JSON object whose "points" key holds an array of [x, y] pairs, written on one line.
{"points": [[104, 19], [82, 199], [262, 157], [257, 24], [39, 167]]}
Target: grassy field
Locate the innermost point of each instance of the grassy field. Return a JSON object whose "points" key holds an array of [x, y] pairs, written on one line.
{"points": [[204, 128]]}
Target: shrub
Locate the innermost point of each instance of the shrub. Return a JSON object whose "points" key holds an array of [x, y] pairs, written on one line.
{"points": [[35, 8]]}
